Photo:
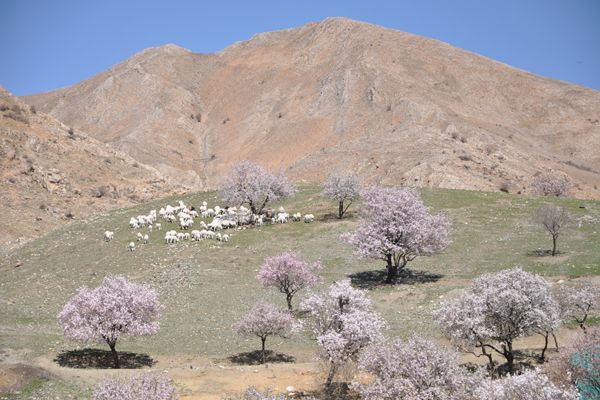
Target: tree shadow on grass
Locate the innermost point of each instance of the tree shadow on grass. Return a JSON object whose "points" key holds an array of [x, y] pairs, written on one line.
{"points": [[333, 217], [543, 253], [255, 358], [372, 279], [102, 359]]}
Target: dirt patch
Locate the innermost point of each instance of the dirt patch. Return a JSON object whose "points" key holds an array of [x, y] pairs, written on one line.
{"points": [[13, 377]]}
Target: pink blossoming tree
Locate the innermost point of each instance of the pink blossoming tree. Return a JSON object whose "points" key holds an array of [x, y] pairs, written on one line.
{"points": [[530, 385], [266, 320], [289, 275], [250, 183], [577, 302], [147, 386], [345, 323], [342, 188], [550, 184], [397, 227], [116, 308], [414, 370], [498, 309]]}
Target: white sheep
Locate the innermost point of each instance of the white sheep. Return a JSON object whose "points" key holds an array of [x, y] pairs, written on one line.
{"points": [[225, 238], [149, 227], [218, 237], [131, 246], [108, 235], [196, 235], [146, 239], [282, 218], [308, 218], [139, 236], [158, 226], [297, 217], [186, 236]]}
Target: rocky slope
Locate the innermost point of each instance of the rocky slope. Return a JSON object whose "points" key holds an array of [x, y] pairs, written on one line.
{"points": [[51, 174], [340, 95]]}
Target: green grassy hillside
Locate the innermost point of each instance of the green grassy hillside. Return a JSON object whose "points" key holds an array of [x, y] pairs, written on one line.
{"points": [[206, 286]]}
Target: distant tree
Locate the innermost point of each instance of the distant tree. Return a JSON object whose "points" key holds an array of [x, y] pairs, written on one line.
{"points": [[550, 184], [289, 275], [579, 364], [497, 309], [577, 302], [147, 386], [116, 308], [414, 370], [250, 183], [530, 385], [342, 188], [554, 219], [266, 320], [396, 226], [344, 324]]}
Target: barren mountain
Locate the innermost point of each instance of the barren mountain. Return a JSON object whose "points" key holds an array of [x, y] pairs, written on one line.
{"points": [[51, 174], [340, 95]]}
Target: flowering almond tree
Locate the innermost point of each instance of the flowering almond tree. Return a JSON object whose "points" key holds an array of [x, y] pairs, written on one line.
{"points": [[250, 183], [344, 324], [577, 302], [498, 309], [550, 184], [342, 188], [530, 385], [266, 320], [147, 386], [397, 227], [116, 308], [289, 275], [414, 370]]}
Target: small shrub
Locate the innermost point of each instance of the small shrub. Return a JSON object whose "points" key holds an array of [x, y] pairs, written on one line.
{"points": [[465, 157], [504, 187], [101, 191]]}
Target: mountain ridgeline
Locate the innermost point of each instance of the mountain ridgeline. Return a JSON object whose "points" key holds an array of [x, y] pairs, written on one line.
{"points": [[339, 95]]}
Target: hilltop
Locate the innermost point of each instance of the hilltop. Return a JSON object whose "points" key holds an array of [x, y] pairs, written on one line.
{"points": [[340, 95]]}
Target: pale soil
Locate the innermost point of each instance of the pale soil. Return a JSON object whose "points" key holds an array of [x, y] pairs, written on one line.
{"points": [[210, 378]]}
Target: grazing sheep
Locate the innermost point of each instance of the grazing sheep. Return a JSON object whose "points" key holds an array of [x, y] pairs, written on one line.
{"points": [[108, 236], [186, 236], [146, 239], [158, 226], [180, 235], [308, 218], [225, 238], [196, 235], [149, 227], [139, 236], [131, 246], [218, 237], [297, 217], [282, 218]]}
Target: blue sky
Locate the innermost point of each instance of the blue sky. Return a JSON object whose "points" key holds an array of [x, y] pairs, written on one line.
{"points": [[50, 44]]}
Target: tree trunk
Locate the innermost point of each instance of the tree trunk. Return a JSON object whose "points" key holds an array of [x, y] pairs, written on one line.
{"points": [[263, 352], [392, 270], [543, 355], [112, 345], [489, 357], [555, 341], [341, 210], [553, 245], [288, 298], [330, 376], [510, 357]]}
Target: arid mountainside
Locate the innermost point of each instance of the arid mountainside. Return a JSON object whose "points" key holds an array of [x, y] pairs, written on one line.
{"points": [[340, 95], [51, 174]]}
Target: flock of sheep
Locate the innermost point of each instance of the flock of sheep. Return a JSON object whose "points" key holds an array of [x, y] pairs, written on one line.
{"points": [[222, 218]]}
